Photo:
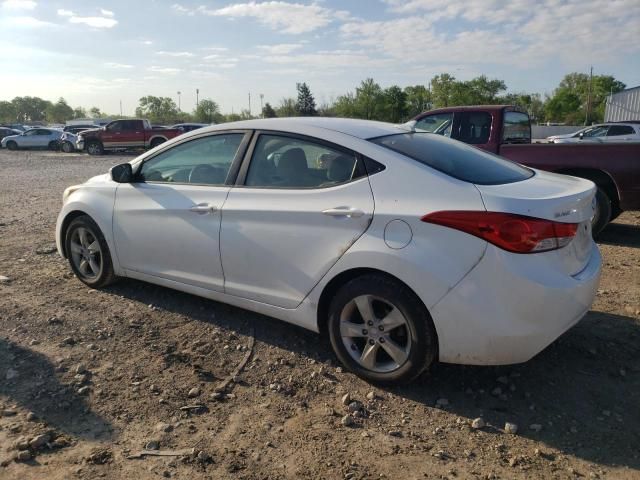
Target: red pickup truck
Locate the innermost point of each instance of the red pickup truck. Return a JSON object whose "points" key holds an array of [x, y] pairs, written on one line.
{"points": [[506, 131], [124, 134]]}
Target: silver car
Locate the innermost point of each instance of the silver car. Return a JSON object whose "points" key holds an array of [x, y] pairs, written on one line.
{"points": [[34, 138]]}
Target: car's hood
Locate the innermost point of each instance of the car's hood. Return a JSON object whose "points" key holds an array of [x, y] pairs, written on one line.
{"points": [[564, 135], [89, 131], [102, 178], [9, 137]]}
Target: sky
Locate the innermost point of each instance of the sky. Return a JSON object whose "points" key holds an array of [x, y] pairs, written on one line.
{"points": [[101, 53]]}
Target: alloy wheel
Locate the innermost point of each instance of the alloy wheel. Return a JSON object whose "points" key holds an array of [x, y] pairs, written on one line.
{"points": [[375, 333], [86, 253]]}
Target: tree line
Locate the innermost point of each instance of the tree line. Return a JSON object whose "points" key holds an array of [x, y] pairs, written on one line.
{"points": [[578, 99]]}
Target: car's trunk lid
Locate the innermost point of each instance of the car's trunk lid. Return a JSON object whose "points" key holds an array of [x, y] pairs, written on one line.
{"points": [[550, 196]]}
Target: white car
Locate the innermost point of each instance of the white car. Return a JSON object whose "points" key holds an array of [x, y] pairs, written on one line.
{"points": [[602, 133], [34, 138], [402, 247]]}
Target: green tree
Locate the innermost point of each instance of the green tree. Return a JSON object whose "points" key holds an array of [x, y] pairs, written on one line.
{"points": [[287, 108], [443, 88], [395, 103], [95, 112], [418, 100], [30, 108], [482, 91], [157, 109], [306, 105], [59, 112], [7, 112], [564, 105], [268, 111], [369, 100], [207, 111], [345, 106], [79, 112]]}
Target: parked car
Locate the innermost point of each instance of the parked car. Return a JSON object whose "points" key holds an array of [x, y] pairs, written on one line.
{"points": [[188, 127], [601, 133], [6, 132], [34, 138], [466, 257], [506, 130], [121, 134], [14, 126], [69, 139]]}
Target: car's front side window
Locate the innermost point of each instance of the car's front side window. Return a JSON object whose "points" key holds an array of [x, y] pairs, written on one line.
{"points": [[439, 123], [287, 162], [203, 161]]}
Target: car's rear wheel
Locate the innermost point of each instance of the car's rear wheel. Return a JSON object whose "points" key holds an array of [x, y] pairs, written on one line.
{"points": [[67, 147], [380, 330], [88, 253], [12, 145], [95, 148], [603, 212], [157, 141]]}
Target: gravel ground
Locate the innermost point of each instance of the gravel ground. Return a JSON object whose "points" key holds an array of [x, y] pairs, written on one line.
{"points": [[89, 379]]}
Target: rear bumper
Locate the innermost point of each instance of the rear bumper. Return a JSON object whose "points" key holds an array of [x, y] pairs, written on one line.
{"points": [[510, 307]]}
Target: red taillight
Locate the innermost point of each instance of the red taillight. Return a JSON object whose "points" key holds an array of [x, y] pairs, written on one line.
{"points": [[515, 233]]}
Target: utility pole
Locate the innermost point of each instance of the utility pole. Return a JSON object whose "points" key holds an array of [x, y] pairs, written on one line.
{"points": [[179, 99], [197, 99], [120, 107], [261, 105], [588, 113], [249, 103]]}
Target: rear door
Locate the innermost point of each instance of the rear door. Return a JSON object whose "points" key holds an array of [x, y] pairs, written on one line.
{"points": [[620, 133], [300, 204]]}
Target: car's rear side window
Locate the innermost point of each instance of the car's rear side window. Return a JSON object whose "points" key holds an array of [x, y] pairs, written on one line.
{"points": [[456, 159]]}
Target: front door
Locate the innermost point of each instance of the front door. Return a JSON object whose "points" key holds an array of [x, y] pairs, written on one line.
{"points": [[301, 206], [167, 223]]}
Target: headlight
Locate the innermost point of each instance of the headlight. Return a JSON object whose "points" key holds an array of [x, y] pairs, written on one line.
{"points": [[68, 191]]}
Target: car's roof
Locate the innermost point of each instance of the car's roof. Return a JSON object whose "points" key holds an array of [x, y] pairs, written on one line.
{"points": [[363, 129]]}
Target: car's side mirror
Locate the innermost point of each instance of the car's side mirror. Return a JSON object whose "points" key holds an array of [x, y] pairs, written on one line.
{"points": [[122, 173], [581, 136]]}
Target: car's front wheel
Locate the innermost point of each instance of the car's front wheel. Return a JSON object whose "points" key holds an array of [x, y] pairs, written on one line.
{"points": [[12, 145], [95, 148], [381, 331], [88, 253], [67, 147]]}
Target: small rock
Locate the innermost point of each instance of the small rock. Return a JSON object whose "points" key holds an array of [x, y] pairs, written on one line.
{"points": [[606, 413], [68, 341], [31, 417], [203, 457], [80, 368], [395, 433], [11, 373], [83, 390], [354, 407], [536, 427], [371, 396], [478, 423], [91, 346], [442, 402], [347, 421], [23, 456], [503, 380], [217, 396], [34, 342], [510, 428], [163, 427], [4, 279], [152, 445], [194, 392], [54, 321], [496, 392], [46, 249], [39, 441], [8, 413], [346, 399]]}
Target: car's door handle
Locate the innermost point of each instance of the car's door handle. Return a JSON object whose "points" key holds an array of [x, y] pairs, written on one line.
{"points": [[344, 212], [203, 208]]}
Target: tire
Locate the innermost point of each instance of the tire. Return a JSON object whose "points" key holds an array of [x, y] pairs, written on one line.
{"points": [[94, 148], [156, 141], [53, 146], [67, 147], [602, 215], [90, 259], [392, 303], [12, 145]]}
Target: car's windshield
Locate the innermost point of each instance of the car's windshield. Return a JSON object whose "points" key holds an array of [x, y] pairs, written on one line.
{"points": [[599, 131], [456, 159]]}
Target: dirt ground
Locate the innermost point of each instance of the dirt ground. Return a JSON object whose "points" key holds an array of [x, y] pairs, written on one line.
{"points": [[90, 378]]}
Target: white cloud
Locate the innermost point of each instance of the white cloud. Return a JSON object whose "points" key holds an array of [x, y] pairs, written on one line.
{"points": [[19, 4], [215, 49], [166, 70], [180, 9], [95, 22], [280, 49], [147, 42], [65, 13], [325, 60], [175, 54], [117, 65], [106, 13], [285, 17]]}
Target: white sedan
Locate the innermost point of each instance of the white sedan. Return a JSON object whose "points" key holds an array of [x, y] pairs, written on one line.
{"points": [[402, 247], [602, 133], [34, 138]]}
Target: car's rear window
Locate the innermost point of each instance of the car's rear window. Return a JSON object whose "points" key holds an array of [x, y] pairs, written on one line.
{"points": [[455, 158]]}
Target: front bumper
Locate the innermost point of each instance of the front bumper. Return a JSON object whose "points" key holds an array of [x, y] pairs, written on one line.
{"points": [[510, 307], [80, 144]]}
